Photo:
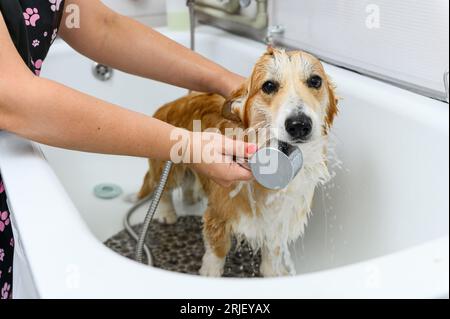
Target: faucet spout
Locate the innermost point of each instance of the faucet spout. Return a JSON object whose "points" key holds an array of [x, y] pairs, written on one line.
{"points": [[273, 32], [257, 22], [191, 5], [227, 14]]}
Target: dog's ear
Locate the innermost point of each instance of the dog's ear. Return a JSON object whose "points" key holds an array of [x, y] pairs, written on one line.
{"points": [[270, 50], [233, 109], [333, 102]]}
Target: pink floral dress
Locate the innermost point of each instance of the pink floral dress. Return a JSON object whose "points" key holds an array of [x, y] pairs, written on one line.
{"points": [[41, 20]]}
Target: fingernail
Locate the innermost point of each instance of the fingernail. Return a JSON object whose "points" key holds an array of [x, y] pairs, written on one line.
{"points": [[251, 149]]}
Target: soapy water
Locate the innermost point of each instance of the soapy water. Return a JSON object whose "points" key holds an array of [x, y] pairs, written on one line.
{"points": [[336, 167], [324, 205]]}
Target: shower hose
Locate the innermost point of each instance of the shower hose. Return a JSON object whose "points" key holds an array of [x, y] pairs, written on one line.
{"points": [[154, 199]]}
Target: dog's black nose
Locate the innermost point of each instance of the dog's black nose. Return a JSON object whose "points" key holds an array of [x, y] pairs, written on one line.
{"points": [[299, 127]]}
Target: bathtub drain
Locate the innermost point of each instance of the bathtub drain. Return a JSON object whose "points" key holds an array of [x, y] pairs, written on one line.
{"points": [[107, 191], [102, 72]]}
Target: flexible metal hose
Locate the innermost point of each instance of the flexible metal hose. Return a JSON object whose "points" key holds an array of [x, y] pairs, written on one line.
{"points": [[141, 246], [129, 228], [151, 213]]}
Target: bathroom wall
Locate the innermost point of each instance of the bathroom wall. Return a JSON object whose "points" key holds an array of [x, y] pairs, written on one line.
{"points": [[406, 40], [152, 12]]}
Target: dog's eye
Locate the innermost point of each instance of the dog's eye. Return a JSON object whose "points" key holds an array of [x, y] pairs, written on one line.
{"points": [[270, 87], [315, 82]]}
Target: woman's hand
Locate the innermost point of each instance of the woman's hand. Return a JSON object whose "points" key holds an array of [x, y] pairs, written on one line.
{"points": [[229, 84], [217, 157]]}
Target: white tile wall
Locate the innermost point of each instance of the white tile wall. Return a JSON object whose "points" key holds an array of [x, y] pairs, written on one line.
{"points": [[411, 42]]}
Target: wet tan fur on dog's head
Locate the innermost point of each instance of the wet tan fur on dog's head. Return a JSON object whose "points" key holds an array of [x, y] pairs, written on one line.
{"points": [[292, 73]]}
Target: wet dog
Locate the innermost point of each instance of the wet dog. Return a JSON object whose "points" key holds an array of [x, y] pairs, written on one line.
{"points": [[289, 93]]}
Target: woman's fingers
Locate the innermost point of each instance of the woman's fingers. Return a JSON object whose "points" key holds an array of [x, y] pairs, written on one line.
{"points": [[232, 173], [238, 173], [223, 156], [224, 174], [238, 148]]}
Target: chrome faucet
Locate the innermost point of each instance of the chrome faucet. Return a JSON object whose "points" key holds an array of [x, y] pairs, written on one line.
{"points": [[273, 32], [189, 2], [191, 6], [229, 11], [227, 14]]}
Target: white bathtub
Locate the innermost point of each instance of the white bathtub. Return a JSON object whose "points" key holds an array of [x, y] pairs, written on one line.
{"points": [[380, 228]]}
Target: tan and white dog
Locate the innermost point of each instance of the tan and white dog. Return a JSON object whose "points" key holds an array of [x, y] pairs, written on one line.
{"points": [[290, 93]]}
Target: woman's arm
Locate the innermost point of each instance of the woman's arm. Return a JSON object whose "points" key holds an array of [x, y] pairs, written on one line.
{"points": [[125, 44], [53, 114]]}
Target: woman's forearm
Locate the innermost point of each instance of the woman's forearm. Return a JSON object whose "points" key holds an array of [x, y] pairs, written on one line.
{"points": [[132, 47], [53, 114], [154, 56]]}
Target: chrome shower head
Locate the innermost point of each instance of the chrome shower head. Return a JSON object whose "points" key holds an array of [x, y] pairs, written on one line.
{"points": [[275, 165]]}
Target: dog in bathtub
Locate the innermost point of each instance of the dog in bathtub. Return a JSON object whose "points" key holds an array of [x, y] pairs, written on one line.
{"points": [[289, 92]]}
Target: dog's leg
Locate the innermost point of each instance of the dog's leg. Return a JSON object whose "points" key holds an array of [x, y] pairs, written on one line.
{"points": [[165, 214], [217, 245], [272, 262], [212, 264], [192, 189]]}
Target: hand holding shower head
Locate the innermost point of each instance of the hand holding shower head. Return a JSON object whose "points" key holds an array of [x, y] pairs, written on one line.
{"points": [[276, 164]]}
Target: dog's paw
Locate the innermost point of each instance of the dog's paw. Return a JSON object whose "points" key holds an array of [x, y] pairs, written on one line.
{"points": [[166, 217], [268, 270], [212, 266], [208, 270]]}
